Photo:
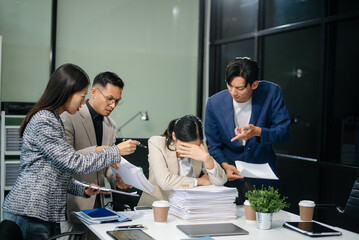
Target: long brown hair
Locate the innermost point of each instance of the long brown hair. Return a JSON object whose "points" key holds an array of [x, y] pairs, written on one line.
{"points": [[65, 81]]}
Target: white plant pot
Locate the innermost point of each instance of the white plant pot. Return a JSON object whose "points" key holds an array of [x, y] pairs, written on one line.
{"points": [[264, 220]]}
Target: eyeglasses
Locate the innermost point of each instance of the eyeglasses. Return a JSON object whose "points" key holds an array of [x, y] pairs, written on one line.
{"points": [[111, 100]]}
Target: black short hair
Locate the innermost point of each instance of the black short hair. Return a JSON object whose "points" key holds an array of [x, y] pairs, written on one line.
{"points": [[242, 67], [108, 77]]}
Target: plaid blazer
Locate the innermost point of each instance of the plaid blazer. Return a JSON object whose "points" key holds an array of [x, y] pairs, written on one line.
{"points": [[47, 163]]}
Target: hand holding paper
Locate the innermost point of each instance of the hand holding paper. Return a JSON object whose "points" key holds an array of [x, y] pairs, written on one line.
{"points": [[251, 170], [103, 189], [132, 175]]}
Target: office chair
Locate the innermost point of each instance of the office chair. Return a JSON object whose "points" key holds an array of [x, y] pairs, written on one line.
{"points": [[9, 230], [73, 235], [351, 210]]}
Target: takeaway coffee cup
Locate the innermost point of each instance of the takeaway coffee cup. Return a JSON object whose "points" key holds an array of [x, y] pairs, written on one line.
{"points": [[249, 212], [306, 210], [160, 210]]}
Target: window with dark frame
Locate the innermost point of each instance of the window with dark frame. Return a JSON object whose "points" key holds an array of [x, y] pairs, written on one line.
{"points": [[305, 47]]}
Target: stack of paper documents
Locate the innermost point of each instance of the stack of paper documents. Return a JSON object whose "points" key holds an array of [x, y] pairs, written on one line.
{"points": [[204, 203], [133, 175], [100, 215]]}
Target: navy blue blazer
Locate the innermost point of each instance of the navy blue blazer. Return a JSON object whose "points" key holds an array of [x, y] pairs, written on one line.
{"points": [[268, 112]]}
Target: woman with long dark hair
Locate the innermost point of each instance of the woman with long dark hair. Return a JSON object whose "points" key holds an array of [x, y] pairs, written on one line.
{"points": [[37, 201], [177, 159]]}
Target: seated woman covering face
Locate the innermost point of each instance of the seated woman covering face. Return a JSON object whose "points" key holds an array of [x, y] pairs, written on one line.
{"points": [[177, 158]]}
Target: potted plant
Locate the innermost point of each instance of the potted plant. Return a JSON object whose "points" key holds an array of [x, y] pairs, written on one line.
{"points": [[265, 202]]}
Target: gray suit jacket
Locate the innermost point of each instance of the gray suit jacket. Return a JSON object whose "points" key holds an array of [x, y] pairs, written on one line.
{"points": [[80, 133], [164, 172], [47, 163]]}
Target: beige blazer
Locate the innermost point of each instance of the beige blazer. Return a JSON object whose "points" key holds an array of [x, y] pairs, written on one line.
{"points": [[163, 172], [80, 133]]}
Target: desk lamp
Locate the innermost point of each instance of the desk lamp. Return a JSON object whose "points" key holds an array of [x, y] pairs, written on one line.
{"points": [[144, 117]]}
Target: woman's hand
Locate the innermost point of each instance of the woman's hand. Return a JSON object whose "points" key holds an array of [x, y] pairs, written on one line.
{"points": [[92, 191], [196, 152], [204, 181], [193, 151]]}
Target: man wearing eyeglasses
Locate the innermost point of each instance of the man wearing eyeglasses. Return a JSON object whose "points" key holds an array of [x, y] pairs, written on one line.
{"points": [[244, 121], [90, 130]]}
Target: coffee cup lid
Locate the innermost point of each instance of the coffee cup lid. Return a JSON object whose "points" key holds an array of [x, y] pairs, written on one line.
{"points": [[306, 203], [161, 203], [246, 202]]}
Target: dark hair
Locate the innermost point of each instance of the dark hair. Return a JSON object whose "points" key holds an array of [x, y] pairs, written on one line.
{"points": [[187, 129], [65, 81], [242, 67], [108, 77]]}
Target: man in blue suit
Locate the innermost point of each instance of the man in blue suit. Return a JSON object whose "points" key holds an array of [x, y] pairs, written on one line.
{"points": [[244, 121]]}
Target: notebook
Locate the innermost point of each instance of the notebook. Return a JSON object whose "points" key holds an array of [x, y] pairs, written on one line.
{"points": [[99, 213], [217, 229]]}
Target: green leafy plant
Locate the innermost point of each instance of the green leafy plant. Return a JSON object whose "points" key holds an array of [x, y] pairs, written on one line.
{"points": [[266, 200]]}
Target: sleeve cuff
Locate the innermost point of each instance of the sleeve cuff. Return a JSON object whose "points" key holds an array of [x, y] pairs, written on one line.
{"points": [[213, 170], [195, 182]]}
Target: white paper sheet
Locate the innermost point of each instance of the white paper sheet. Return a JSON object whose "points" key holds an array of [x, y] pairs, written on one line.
{"points": [[251, 170], [132, 175]]}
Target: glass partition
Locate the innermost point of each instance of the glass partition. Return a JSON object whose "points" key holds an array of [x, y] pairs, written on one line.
{"points": [[25, 27]]}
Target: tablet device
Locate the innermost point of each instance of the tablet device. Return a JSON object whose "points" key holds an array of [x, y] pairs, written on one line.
{"points": [[135, 234], [216, 229], [312, 229]]}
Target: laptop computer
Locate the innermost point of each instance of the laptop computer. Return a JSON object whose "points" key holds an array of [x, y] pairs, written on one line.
{"points": [[216, 229]]}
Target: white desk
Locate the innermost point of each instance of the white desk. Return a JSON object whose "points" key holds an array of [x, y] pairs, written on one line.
{"points": [[169, 230]]}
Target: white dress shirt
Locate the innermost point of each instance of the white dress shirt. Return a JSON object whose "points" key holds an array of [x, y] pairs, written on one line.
{"points": [[242, 115]]}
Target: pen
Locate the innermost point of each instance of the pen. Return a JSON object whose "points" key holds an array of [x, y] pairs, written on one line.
{"points": [[139, 145], [131, 227]]}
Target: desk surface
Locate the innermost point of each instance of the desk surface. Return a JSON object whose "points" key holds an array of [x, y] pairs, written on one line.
{"points": [[169, 230]]}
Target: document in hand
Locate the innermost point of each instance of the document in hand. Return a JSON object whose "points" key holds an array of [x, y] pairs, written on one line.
{"points": [[251, 170], [133, 175], [204, 203], [106, 189]]}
